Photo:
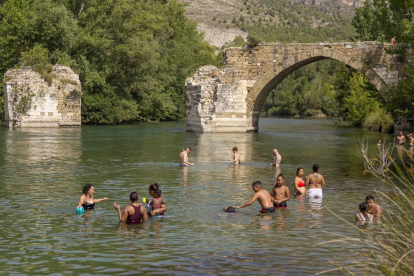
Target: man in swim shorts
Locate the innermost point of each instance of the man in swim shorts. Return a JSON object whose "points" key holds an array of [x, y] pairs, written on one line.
{"points": [[184, 158], [280, 193], [374, 209], [277, 159], [400, 139], [262, 196]]}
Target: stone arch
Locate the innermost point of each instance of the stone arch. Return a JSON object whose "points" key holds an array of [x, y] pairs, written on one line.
{"points": [[272, 76]]}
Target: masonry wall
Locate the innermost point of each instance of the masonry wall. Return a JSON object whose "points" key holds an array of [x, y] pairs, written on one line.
{"points": [[230, 99], [31, 102]]}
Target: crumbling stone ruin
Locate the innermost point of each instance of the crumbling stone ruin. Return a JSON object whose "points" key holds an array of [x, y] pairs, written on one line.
{"points": [[30, 101]]}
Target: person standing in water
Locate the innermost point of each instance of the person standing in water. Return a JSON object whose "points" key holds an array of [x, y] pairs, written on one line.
{"points": [[364, 215], [262, 196], [400, 139], [86, 200], [277, 159], [133, 213], [410, 139], [373, 208], [299, 184], [315, 181], [161, 204], [280, 193], [236, 156], [184, 158], [380, 127]]}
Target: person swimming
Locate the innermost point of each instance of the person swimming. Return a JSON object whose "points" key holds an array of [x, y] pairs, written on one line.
{"points": [[86, 200], [230, 209], [133, 213], [298, 183], [364, 215], [157, 204], [315, 181], [373, 208]]}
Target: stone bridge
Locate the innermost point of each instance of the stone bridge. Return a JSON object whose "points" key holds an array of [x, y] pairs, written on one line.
{"points": [[230, 99]]}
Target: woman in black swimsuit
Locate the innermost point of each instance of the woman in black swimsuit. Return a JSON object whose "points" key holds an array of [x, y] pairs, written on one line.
{"points": [[133, 213], [86, 200]]}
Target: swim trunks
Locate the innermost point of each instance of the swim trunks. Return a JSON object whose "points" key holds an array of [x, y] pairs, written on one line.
{"points": [[268, 210], [315, 193], [181, 165], [281, 205]]}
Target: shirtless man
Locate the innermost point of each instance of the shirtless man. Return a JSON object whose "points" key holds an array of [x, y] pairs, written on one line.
{"points": [[315, 181], [262, 196], [374, 209], [280, 193], [277, 159], [410, 139], [400, 139], [184, 158]]}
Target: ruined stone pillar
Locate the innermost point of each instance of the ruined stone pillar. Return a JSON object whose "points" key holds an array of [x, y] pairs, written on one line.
{"points": [[31, 101]]}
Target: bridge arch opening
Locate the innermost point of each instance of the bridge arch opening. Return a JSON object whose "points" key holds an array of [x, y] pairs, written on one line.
{"points": [[259, 92]]}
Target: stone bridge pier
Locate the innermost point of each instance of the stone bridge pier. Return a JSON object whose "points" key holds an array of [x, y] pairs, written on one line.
{"points": [[230, 99]]}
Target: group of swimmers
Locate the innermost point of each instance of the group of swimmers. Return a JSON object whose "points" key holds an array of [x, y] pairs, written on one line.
{"points": [[400, 139], [280, 194], [133, 213]]}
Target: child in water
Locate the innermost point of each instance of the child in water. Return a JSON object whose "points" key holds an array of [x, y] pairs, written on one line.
{"points": [[156, 204], [280, 193]]}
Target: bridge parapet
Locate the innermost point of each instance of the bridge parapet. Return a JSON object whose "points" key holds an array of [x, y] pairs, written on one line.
{"points": [[230, 99]]}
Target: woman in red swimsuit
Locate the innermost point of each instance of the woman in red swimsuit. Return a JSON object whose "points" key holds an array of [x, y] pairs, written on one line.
{"points": [[133, 213], [299, 184]]}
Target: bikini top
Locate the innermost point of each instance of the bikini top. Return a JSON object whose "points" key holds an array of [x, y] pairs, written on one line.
{"points": [[301, 183], [88, 206], [363, 218]]}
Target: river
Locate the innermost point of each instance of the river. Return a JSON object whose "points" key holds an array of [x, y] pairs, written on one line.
{"points": [[43, 172]]}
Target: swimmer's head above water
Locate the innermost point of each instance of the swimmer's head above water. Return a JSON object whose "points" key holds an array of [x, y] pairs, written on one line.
{"points": [[88, 188], [363, 207], [257, 185], [229, 209], [188, 150], [299, 172], [235, 149], [275, 152], [280, 180], [133, 197], [315, 168]]}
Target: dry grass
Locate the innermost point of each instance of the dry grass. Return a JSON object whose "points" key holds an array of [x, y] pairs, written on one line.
{"points": [[387, 248]]}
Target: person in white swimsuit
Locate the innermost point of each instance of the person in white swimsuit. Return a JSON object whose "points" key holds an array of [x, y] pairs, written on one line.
{"points": [[315, 181]]}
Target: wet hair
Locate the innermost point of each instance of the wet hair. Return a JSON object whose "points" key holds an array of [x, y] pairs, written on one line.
{"points": [[154, 187], [363, 207], [257, 183], [297, 171], [86, 188], [315, 167], [235, 149], [188, 148], [369, 197], [230, 209], [133, 196], [157, 194], [280, 175]]}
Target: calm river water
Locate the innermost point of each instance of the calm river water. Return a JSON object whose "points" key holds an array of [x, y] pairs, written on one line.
{"points": [[43, 172]]}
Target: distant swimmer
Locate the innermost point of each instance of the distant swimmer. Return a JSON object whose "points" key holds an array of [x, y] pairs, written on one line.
{"points": [[184, 158], [86, 200], [315, 181], [410, 139], [364, 215], [400, 139], [236, 157], [133, 213], [379, 143], [262, 196], [299, 184], [280, 193], [277, 159], [373, 208]]}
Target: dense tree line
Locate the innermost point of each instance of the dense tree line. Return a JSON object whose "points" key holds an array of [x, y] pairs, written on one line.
{"points": [[132, 56]]}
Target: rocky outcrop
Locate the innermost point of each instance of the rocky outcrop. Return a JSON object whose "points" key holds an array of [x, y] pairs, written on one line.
{"points": [[30, 101]]}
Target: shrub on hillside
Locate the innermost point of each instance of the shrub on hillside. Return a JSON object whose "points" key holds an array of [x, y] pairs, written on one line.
{"points": [[373, 119]]}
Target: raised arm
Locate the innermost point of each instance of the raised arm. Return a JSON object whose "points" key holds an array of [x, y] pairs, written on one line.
{"points": [[122, 217], [248, 203]]}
